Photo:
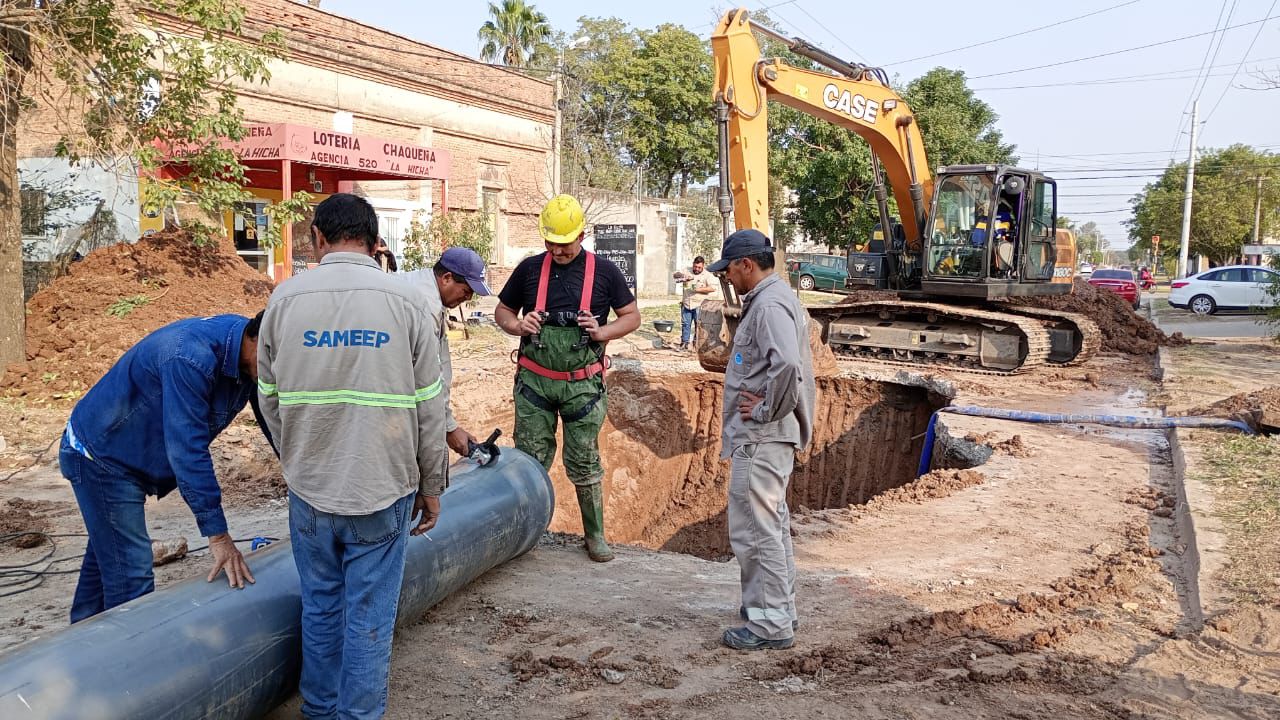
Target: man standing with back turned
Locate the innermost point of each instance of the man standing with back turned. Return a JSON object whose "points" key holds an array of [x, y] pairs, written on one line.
{"points": [[769, 394], [350, 380]]}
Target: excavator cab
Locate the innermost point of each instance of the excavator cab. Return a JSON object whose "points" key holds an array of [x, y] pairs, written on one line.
{"points": [[990, 234]]}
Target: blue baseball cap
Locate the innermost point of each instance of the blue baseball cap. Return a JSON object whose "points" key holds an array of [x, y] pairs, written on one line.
{"points": [[740, 245], [466, 264]]}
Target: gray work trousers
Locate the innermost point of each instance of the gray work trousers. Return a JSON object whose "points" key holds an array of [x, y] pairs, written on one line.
{"points": [[760, 535]]}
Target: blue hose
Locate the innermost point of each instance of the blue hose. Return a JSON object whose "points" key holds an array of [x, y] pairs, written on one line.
{"points": [[1124, 421]]}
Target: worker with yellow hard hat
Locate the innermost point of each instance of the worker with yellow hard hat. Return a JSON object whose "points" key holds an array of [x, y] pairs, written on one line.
{"points": [[558, 302]]}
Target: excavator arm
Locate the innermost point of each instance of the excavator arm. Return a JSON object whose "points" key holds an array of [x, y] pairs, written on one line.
{"points": [[859, 99]]}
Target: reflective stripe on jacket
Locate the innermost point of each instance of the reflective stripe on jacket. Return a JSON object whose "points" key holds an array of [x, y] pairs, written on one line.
{"points": [[349, 375]]}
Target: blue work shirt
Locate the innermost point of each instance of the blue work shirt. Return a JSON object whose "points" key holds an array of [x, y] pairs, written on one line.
{"points": [[153, 415]]}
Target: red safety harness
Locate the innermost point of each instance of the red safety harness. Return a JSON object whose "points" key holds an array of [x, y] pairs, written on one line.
{"points": [[584, 305]]}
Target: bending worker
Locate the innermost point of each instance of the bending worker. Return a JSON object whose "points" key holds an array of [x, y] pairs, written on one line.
{"points": [[769, 393], [144, 429], [453, 280], [565, 295]]}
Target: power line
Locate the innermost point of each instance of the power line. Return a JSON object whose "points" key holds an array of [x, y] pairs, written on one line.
{"points": [[829, 32], [1194, 95], [1117, 52], [1119, 79], [1017, 34], [1242, 61], [1131, 152], [1218, 49]]}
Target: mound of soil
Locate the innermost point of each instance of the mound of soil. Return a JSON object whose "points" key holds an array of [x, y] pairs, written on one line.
{"points": [[1123, 330], [1252, 407], [81, 323]]}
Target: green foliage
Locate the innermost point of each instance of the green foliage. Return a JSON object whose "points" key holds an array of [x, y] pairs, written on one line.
{"points": [[1222, 204], [671, 132], [516, 36], [1091, 245], [126, 305], [636, 99], [597, 96], [149, 95], [283, 214], [958, 128], [423, 243], [702, 230]]}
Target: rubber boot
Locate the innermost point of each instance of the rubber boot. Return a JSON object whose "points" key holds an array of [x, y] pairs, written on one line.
{"points": [[591, 504]]}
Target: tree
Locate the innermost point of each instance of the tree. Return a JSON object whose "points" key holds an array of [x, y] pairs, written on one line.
{"points": [[423, 244], [1223, 202], [958, 128], [121, 89], [597, 106], [671, 131], [1090, 243], [516, 34]]}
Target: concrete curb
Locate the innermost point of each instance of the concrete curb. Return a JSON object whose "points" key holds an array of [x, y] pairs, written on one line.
{"points": [[1185, 529]]}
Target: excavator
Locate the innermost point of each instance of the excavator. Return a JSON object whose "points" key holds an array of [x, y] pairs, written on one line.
{"points": [[969, 237]]}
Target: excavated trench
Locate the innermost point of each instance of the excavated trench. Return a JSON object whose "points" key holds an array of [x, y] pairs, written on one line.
{"points": [[665, 485]]}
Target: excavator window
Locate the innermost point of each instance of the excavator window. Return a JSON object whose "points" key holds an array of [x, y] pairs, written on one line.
{"points": [[1041, 252], [962, 227]]}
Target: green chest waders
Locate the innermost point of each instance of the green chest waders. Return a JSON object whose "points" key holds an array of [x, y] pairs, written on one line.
{"points": [[561, 375]]}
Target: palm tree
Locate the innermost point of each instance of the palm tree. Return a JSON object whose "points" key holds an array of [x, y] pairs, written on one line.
{"points": [[514, 34]]}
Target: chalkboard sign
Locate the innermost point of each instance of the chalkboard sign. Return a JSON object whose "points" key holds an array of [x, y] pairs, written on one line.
{"points": [[617, 243]]}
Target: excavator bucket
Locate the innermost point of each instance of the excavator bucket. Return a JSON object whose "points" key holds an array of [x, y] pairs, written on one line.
{"points": [[713, 335]]}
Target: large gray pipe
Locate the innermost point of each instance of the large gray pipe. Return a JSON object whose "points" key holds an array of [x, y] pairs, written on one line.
{"points": [[203, 650]]}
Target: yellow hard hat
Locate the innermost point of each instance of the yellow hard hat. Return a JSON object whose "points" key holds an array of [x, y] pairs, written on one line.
{"points": [[562, 220]]}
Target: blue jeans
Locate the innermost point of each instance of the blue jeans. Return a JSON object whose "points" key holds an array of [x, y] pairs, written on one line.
{"points": [[687, 318], [350, 568], [117, 559]]}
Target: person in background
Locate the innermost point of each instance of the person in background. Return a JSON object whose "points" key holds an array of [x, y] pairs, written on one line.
{"points": [[384, 257], [350, 386], [697, 286], [769, 395], [144, 429]]}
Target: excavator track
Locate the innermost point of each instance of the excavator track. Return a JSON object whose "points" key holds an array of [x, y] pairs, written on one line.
{"points": [[1085, 336], [920, 334]]}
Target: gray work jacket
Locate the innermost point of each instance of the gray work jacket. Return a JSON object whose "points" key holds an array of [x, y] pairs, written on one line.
{"points": [[350, 387], [770, 357], [425, 280]]}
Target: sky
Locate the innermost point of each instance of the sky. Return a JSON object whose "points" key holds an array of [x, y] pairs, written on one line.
{"points": [[1102, 127]]}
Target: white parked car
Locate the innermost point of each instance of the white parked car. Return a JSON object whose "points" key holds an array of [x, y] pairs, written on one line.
{"points": [[1086, 269], [1234, 287]]}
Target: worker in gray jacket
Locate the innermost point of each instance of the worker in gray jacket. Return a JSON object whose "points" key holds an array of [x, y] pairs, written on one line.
{"points": [[454, 279], [350, 384], [769, 394]]}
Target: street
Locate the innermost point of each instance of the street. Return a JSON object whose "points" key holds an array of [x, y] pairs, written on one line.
{"points": [[1172, 320]]}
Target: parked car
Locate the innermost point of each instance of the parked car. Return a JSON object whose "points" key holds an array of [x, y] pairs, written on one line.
{"points": [[820, 272], [1120, 282], [1235, 287], [1086, 269]]}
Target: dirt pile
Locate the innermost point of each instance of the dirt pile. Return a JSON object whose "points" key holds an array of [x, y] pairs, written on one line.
{"points": [[1251, 407], [81, 323], [21, 516], [1123, 330]]}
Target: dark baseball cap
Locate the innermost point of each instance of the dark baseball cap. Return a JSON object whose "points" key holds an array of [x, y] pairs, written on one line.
{"points": [[740, 245], [466, 264]]}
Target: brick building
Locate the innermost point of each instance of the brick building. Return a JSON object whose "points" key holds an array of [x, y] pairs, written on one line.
{"points": [[497, 126]]}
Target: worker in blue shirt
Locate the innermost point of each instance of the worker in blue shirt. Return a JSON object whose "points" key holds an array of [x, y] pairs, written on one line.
{"points": [[144, 429]]}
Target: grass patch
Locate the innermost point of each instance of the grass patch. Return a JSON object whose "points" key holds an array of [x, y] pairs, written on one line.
{"points": [[125, 305], [1245, 474]]}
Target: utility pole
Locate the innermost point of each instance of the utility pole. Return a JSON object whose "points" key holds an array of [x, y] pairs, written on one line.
{"points": [[1186, 200], [1257, 213]]}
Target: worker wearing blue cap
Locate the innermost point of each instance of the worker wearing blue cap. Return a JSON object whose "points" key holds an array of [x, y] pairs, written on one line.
{"points": [[455, 278], [769, 394]]}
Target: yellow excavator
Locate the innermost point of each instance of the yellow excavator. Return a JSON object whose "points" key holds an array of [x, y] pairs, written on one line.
{"points": [[968, 237]]}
